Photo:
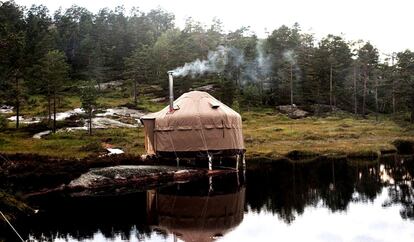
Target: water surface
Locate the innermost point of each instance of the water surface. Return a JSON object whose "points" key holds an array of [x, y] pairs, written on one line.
{"points": [[312, 201]]}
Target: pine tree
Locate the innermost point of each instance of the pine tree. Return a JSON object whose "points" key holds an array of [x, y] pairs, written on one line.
{"points": [[55, 74], [89, 96]]}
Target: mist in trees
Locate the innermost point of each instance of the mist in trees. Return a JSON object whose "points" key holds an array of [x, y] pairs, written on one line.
{"points": [[52, 54]]}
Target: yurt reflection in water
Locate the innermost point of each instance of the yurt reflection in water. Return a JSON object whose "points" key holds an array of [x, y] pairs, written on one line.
{"points": [[193, 214], [199, 210]]}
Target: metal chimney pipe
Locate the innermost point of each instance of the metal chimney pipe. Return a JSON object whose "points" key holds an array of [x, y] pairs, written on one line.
{"points": [[171, 83]]}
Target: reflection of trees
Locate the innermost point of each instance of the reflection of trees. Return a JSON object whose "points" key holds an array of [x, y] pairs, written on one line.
{"points": [[286, 188], [81, 218], [367, 183], [401, 191]]}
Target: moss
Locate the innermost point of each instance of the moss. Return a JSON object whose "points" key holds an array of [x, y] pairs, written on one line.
{"points": [[300, 154], [386, 151], [3, 142], [95, 147], [370, 154], [12, 207]]}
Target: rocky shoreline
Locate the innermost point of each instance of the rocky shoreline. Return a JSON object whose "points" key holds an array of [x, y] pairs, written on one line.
{"points": [[26, 177]]}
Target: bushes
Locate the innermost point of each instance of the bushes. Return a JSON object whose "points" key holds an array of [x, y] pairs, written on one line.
{"points": [[404, 146], [3, 123]]}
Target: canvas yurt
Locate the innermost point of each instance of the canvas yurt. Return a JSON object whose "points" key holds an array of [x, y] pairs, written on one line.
{"points": [[195, 124]]}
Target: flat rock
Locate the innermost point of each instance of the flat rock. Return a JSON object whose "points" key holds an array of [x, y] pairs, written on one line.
{"points": [[126, 174], [292, 111]]}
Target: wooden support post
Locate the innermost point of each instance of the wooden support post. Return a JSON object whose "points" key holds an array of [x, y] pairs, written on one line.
{"points": [[237, 161]]}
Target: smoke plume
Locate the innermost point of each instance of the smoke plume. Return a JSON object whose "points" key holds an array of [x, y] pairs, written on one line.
{"points": [[253, 70], [215, 63]]}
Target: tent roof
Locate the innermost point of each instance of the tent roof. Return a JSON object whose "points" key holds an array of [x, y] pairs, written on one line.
{"points": [[194, 102]]}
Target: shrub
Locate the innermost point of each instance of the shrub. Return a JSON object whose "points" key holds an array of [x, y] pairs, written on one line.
{"points": [[404, 146], [3, 122]]}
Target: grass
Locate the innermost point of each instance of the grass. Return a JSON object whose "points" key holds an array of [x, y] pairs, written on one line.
{"points": [[76, 144], [267, 133], [270, 134]]}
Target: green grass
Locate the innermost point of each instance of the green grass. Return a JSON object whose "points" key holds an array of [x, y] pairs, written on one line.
{"points": [[274, 135], [72, 144], [266, 133]]}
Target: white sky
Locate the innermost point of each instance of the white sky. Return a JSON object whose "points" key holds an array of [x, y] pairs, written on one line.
{"points": [[388, 24]]}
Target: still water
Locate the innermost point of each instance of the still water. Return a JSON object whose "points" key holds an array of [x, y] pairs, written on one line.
{"points": [[325, 200]]}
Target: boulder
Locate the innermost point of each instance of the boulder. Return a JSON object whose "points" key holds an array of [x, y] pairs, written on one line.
{"points": [[292, 111]]}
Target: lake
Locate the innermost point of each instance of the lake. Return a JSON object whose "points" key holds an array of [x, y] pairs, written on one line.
{"points": [[323, 200]]}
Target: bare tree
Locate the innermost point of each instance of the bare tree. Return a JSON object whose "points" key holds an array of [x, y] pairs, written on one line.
{"points": [[355, 93]]}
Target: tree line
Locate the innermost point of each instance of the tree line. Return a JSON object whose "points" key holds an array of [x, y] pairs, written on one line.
{"points": [[54, 54]]}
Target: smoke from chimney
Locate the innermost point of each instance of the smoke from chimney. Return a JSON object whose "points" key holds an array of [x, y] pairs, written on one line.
{"points": [[256, 69], [215, 63]]}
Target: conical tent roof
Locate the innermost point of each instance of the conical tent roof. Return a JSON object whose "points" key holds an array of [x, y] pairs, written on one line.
{"points": [[199, 123]]}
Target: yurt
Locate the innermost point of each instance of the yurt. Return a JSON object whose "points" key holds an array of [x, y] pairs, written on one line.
{"points": [[194, 124]]}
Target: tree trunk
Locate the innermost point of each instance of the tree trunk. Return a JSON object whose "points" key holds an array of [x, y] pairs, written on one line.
{"points": [[393, 85], [393, 96], [17, 103], [135, 93], [330, 88], [291, 84], [49, 111], [54, 112], [376, 99], [90, 121], [364, 94], [355, 94], [412, 104]]}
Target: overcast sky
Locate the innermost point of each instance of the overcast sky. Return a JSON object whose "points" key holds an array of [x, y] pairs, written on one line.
{"points": [[388, 24]]}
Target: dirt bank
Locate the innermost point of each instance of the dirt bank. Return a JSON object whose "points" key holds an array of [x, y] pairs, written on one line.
{"points": [[26, 172]]}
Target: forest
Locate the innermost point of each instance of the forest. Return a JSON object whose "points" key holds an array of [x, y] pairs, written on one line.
{"points": [[53, 55]]}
